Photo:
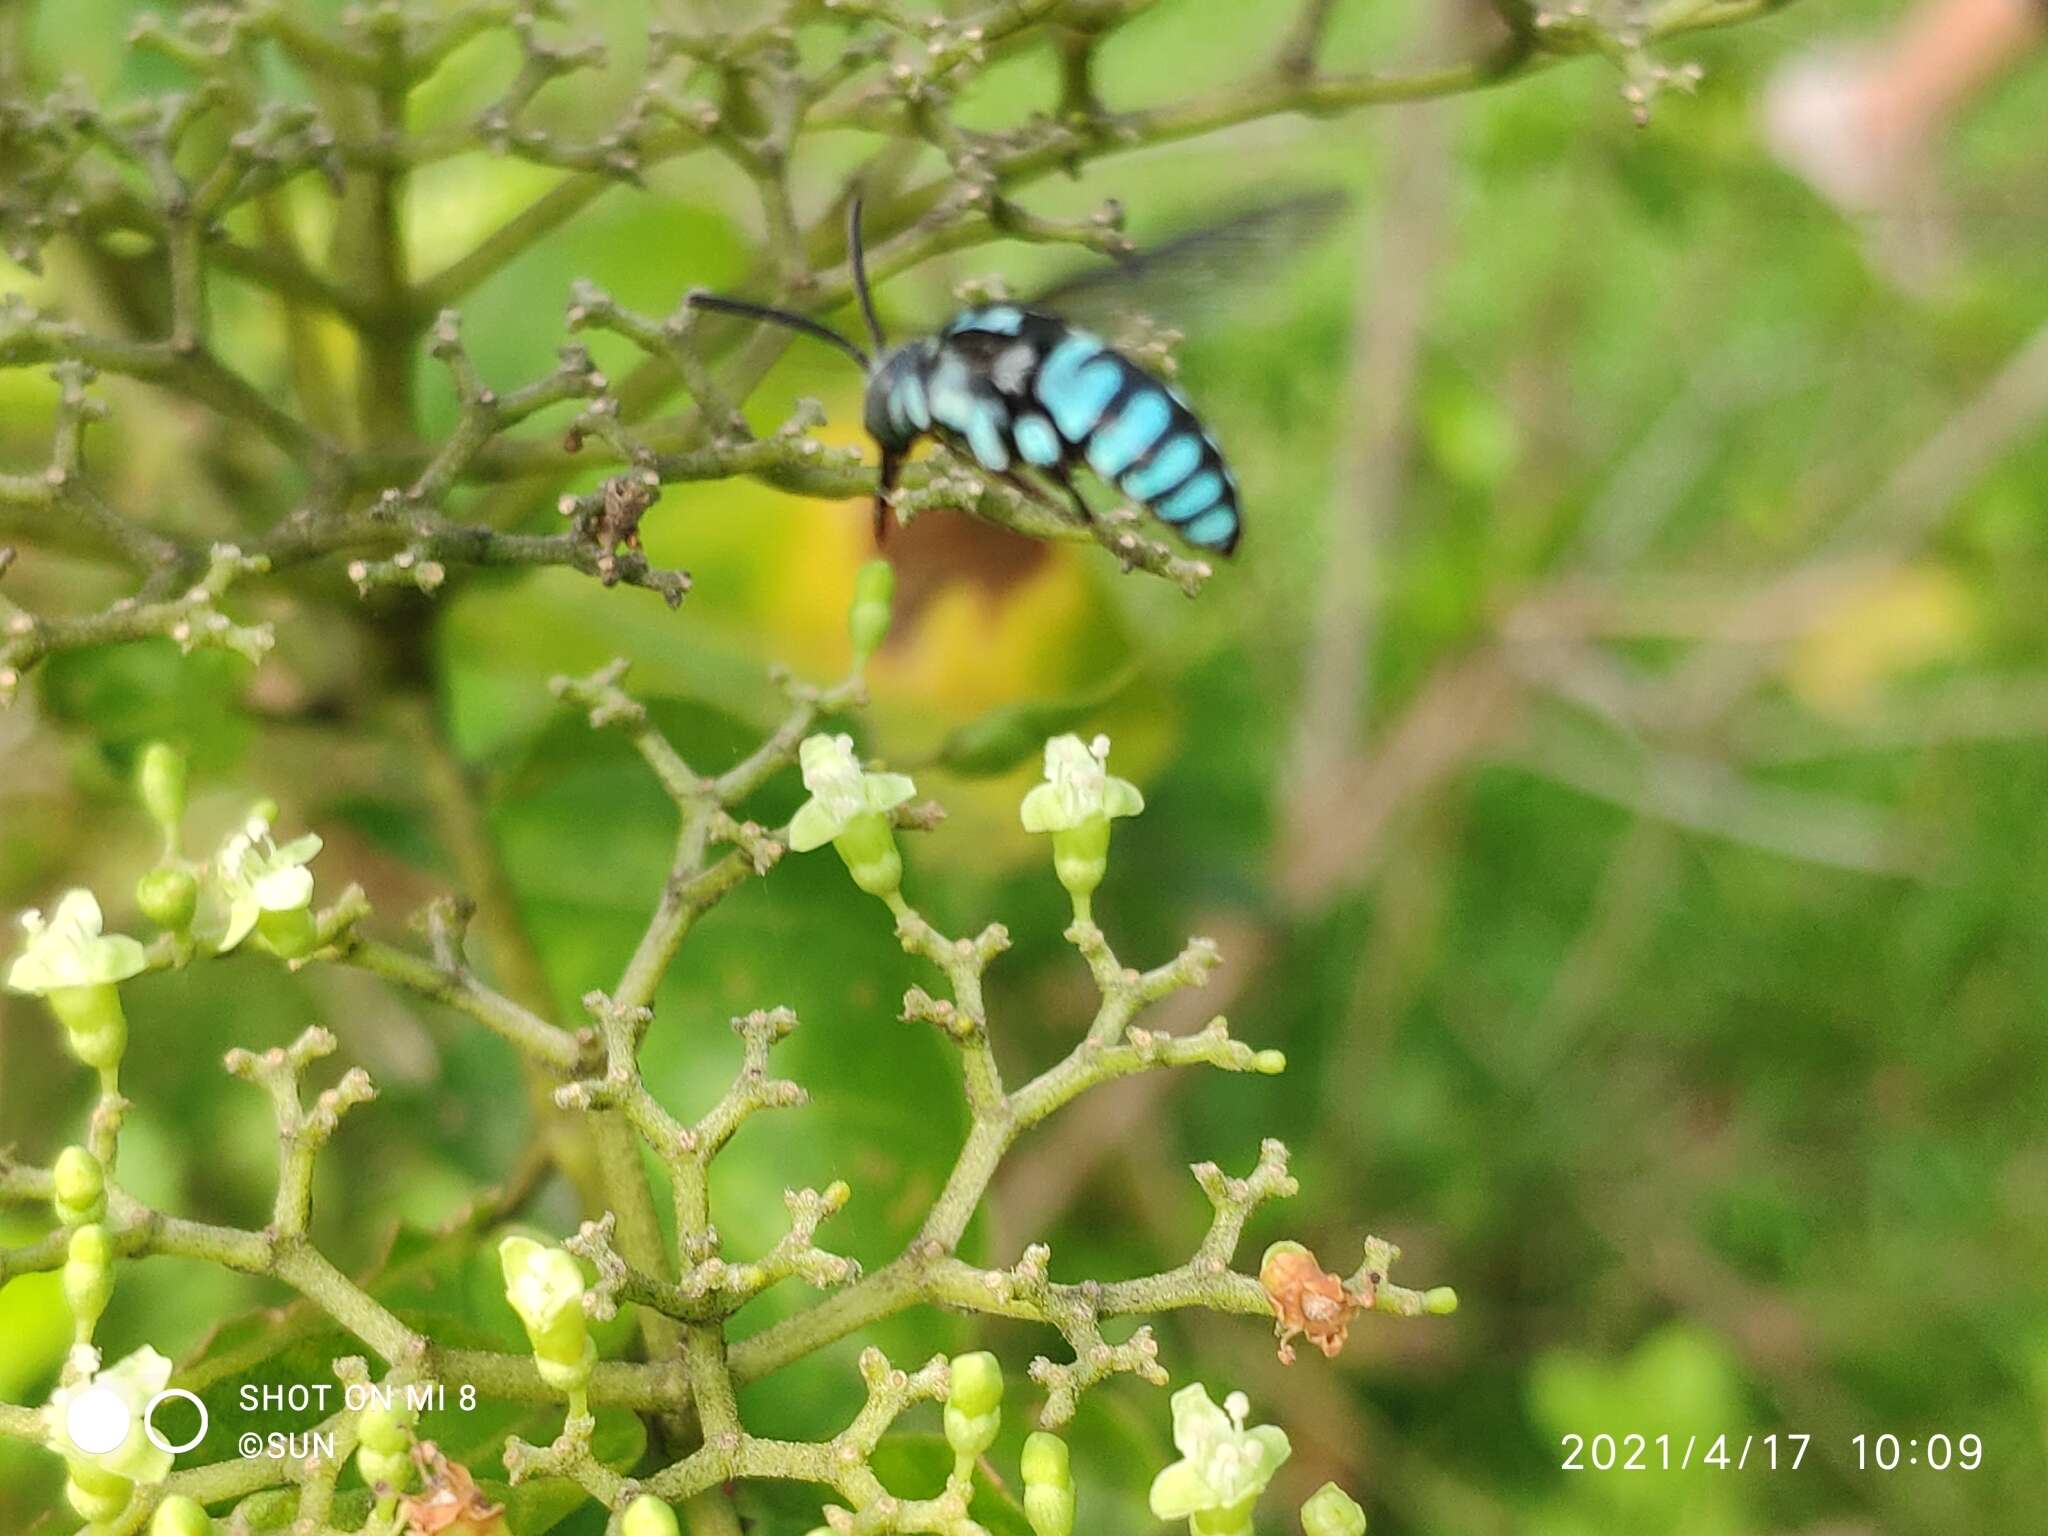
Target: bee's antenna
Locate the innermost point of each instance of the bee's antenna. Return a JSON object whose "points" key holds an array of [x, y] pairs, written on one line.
{"points": [[858, 258], [801, 323]]}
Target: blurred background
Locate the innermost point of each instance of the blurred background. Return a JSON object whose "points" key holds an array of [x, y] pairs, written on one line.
{"points": [[1614, 769]]}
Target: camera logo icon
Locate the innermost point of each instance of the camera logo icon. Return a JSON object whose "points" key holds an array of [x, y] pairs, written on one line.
{"points": [[98, 1420]]}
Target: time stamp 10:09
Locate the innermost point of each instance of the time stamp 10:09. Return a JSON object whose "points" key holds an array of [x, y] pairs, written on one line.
{"points": [[1774, 1452]]}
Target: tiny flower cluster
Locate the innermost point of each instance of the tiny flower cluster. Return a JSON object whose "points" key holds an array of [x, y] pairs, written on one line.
{"points": [[77, 967], [850, 807], [252, 885], [254, 890]]}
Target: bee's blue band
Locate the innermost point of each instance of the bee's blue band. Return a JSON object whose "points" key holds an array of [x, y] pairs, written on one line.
{"points": [[1171, 463], [1197, 496], [1142, 422], [1214, 529], [1078, 406], [1059, 375]]}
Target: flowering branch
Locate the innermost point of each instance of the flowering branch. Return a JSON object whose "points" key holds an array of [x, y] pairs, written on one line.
{"points": [[897, 77], [189, 177]]}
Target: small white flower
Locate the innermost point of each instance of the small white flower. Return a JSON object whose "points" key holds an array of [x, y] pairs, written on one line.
{"points": [[1076, 804], [136, 1381], [1078, 788], [252, 875], [1223, 1465], [841, 791], [70, 951]]}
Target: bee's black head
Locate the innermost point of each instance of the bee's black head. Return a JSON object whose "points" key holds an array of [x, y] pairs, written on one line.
{"points": [[896, 412]]}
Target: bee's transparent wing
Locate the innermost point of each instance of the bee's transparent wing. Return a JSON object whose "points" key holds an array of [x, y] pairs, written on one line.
{"points": [[1184, 280]]}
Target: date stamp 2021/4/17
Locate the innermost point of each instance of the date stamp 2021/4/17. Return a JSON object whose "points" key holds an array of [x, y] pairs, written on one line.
{"points": [[1776, 1451]]}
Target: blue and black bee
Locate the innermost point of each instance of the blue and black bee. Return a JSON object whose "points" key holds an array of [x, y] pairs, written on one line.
{"points": [[1026, 393]]}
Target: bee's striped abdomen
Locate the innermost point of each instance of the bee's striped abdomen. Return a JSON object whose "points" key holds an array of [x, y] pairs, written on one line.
{"points": [[1020, 390]]}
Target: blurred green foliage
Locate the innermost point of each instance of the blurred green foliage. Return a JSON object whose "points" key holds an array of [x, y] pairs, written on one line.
{"points": [[1711, 1139]]}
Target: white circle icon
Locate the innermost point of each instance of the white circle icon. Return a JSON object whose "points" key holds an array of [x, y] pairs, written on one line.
{"points": [[149, 1421], [97, 1420]]}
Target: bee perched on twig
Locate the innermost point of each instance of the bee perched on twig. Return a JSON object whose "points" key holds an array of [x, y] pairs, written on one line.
{"points": [[1032, 399]]}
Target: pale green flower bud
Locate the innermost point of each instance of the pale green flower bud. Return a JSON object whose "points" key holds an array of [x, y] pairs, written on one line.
{"points": [[391, 1470], [1046, 1460], [1076, 804], [976, 1382], [1080, 857], [80, 1187], [1440, 1301], [179, 1516], [868, 849], [160, 777], [95, 1025], [867, 621], [88, 1277], [384, 1445], [168, 896], [974, 1403], [545, 1288], [849, 808], [1330, 1511], [386, 1428], [1048, 1485], [288, 934], [648, 1516], [98, 1495]]}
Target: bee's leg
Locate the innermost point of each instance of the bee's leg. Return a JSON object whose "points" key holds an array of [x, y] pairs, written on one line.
{"points": [[1060, 478], [1030, 489], [884, 484]]}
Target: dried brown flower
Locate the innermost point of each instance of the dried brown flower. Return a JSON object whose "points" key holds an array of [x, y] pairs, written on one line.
{"points": [[1308, 1301], [448, 1503]]}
